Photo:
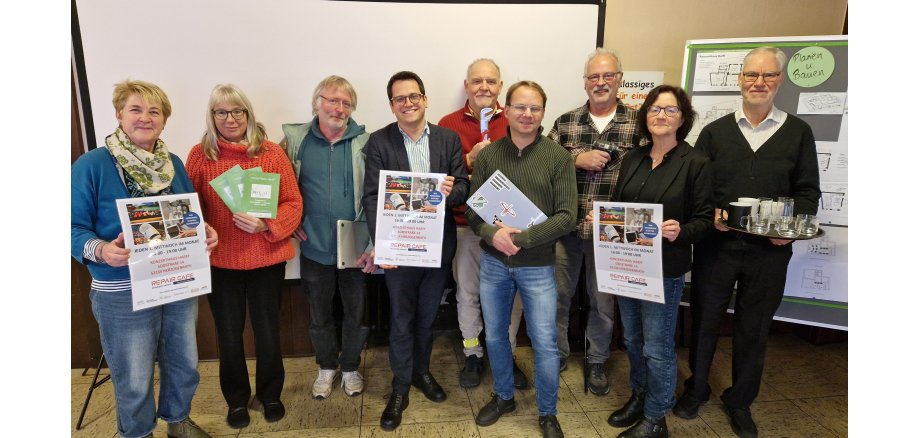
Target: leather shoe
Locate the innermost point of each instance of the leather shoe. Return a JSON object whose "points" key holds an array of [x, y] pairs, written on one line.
{"points": [[471, 374], [273, 411], [551, 427], [630, 413], [392, 414], [426, 383], [238, 417], [742, 422], [687, 407], [520, 380], [494, 409], [647, 428]]}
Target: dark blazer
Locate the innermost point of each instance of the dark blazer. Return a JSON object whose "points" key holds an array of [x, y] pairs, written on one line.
{"points": [[685, 191], [386, 150]]}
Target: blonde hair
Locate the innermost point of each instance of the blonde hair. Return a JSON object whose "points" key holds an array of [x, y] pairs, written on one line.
{"points": [[150, 92], [255, 132], [337, 83]]}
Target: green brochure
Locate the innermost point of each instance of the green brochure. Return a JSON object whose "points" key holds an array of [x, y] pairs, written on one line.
{"points": [[222, 186], [260, 194]]}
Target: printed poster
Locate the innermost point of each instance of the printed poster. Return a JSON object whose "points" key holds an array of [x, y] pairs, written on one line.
{"points": [[627, 250], [169, 260], [410, 219]]}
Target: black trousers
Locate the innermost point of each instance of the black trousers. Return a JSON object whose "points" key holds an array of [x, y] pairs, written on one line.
{"points": [[319, 284], [261, 289], [415, 294], [759, 267]]}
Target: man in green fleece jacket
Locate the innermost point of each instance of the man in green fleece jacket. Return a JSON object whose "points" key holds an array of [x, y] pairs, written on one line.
{"points": [[515, 259]]}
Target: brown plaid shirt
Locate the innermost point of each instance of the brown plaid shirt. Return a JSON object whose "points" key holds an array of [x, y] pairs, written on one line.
{"points": [[576, 132]]}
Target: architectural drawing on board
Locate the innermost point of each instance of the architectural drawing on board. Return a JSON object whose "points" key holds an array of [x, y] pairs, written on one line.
{"points": [[833, 200], [822, 246], [726, 75], [824, 161], [709, 109], [813, 279]]}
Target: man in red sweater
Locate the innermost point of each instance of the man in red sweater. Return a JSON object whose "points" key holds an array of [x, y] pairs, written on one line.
{"points": [[483, 85]]}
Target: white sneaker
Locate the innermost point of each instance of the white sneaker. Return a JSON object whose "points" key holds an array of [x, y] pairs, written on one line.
{"points": [[352, 383], [322, 386]]}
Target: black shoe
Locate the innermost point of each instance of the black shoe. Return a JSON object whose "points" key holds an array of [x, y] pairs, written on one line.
{"points": [[392, 414], [550, 426], [471, 374], [520, 380], [493, 410], [647, 428], [687, 407], [238, 417], [597, 379], [429, 386], [630, 413], [741, 420], [273, 411]]}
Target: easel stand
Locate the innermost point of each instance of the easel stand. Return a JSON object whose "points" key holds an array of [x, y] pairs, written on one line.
{"points": [[96, 383]]}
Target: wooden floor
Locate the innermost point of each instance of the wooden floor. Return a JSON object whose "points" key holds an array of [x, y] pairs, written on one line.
{"points": [[804, 394]]}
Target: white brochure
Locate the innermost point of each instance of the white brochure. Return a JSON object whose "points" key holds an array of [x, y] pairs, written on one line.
{"points": [[627, 250], [169, 260], [410, 219]]}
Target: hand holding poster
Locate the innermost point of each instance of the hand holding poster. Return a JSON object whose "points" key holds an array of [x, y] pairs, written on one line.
{"points": [[410, 219], [627, 250], [166, 236]]}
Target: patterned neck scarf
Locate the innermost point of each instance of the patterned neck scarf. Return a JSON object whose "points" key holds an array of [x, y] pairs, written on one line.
{"points": [[152, 171]]}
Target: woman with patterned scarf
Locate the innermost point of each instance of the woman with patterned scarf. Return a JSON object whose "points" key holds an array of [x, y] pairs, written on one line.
{"points": [[135, 163], [247, 270]]}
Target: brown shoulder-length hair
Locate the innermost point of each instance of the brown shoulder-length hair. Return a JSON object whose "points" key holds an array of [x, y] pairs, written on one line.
{"points": [[683, 102]]}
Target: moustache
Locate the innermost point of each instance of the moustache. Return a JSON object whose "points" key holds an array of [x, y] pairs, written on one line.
{"points": [[602, 88]]}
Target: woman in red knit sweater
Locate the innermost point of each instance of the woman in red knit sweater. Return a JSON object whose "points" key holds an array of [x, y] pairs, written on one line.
{"points": [[249, 266]]}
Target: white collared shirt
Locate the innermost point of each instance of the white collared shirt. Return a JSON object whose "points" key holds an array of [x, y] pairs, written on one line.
{"points": [[756, 137], [419, 155]]}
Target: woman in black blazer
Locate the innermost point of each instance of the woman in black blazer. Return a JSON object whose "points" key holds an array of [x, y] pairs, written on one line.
{"points": [[670, 172]]}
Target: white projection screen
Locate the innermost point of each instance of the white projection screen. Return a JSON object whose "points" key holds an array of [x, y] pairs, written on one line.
{"points": [[278, 50]]}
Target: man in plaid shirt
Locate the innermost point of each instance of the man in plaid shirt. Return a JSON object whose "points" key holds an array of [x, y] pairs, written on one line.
{"points": [[597, 135]]}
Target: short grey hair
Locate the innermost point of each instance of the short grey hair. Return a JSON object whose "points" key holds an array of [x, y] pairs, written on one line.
{"points": [[780, 56], [469, 69], [600, 51], [336, 82]]}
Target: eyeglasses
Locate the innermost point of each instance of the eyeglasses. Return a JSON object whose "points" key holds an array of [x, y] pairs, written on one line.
{"points": [[608, 77], [534, 109], [346, 105], [768, 76], [414, 98], [236, 113], [669, 111]]}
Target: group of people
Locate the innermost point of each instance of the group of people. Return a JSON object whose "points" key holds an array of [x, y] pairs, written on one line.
{"points": [[329, 170]]}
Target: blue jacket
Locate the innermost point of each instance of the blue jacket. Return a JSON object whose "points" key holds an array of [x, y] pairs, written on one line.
{"points": [[330, 177], [95, 184]]}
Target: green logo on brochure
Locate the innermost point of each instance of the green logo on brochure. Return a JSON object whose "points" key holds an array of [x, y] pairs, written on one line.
{"points": [[479, 202]]}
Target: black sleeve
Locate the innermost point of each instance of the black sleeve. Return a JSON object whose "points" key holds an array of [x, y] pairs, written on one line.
{"points": [[461, 188], [372, 165], [804, 184]]}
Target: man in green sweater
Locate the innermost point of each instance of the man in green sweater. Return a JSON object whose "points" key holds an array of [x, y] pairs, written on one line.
{"points": [[513, 259]]}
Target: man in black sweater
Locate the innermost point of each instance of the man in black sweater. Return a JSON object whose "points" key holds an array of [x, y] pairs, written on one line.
{"points": [[758, 151]]}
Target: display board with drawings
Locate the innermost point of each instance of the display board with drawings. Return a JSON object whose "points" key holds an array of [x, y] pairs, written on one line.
{"points": [[815, 90]]}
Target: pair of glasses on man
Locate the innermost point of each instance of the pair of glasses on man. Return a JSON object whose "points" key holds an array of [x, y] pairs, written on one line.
{"points": [[670, 110], [222, 114], [414, 98], [521, 108], [346, 105], [768, 76], [607, 77]]}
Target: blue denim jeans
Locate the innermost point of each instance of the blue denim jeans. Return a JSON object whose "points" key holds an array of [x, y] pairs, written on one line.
{"points": [[132, 341], [537, 286], [649, 331]]}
